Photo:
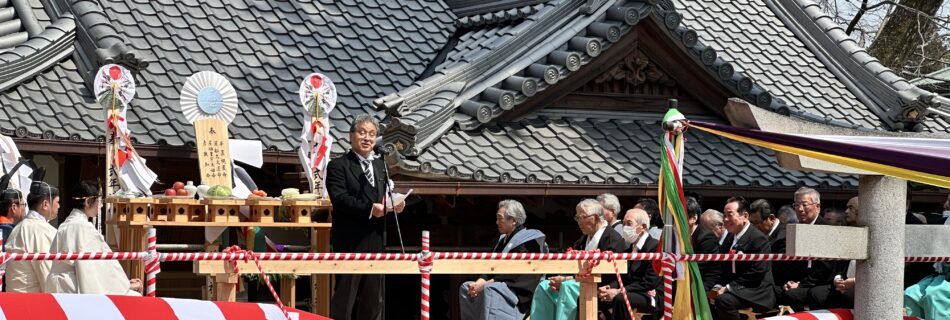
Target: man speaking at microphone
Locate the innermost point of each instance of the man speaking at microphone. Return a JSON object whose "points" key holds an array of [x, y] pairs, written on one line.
{"points": [[357, 184]]}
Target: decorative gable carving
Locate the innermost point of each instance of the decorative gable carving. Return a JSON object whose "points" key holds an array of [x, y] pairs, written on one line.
{"points": [[635, 74]]}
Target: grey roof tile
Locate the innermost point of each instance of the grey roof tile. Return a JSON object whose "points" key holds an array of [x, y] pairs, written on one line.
{"points": [[264, 48], [528, 148]]}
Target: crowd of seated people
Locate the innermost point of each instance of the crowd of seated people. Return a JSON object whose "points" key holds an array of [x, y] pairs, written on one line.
{"points": [[741, 227]]}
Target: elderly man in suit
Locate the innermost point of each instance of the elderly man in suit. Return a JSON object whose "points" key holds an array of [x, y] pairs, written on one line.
{"points": [[807, 205], [703, 241], [357, 186], [743, 284], [504, 296], [556, 297], [640, 278]]}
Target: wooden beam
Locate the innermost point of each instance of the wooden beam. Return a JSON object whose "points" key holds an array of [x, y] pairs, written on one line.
{"points": [[409, 267], [314, 225], [148, 151]]}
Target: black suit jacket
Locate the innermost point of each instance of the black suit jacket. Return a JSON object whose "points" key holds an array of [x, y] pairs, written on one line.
{"points": [[353, 197], [783, 271], [752, 280], [640, 276], [609, 241], [820, 273], [705, 241]]}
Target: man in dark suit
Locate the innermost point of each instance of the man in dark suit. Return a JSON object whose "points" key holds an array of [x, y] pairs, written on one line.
{"points": [[762, 217], [807, 205], [640, 278], [356, 184], [558, 294], [504, 295], [743, 284], [703, 241]]}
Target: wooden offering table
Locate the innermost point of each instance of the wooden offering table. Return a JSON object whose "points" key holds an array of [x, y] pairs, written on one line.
{"points": [[186, 212]]}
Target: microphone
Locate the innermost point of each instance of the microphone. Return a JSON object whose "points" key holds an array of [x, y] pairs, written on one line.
{"points": [[380, 152]]}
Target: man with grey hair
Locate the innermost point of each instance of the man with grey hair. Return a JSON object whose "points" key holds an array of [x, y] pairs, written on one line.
{"points": [[557, 296], [640, 278], [612, 209], [357, 186], [711, 220], [809, 274], [504, 296]]}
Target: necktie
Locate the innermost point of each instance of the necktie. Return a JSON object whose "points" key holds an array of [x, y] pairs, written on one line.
{"points": [[367, 170]]}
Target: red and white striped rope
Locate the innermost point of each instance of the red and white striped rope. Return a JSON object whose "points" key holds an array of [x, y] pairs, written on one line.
{"points": [[152, 264], [250, 255], [425, 268], [576, 255]]}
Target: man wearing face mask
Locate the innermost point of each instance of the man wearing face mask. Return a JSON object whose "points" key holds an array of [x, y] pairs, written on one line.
{"points": [[640, 278], [556, 297], [33, 234], [504, 296]]}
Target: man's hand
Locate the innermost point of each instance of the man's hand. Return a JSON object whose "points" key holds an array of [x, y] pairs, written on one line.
{"points": [[844, 285], [135, 285], [476, 287], [722, 291], [378, 210], [791, 285], [608, 294], [400, 206], [555, 283]]}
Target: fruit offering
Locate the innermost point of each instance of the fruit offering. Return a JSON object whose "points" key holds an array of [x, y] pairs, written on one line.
{"points": [[177, 190], [258, 193], [289, 193]]}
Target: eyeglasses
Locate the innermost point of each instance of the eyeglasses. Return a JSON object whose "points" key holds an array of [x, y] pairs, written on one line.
{"points": [[366, 134], [579, 218], [802, 204]]}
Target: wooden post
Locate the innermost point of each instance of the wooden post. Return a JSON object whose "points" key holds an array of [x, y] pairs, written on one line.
{"points": [[587, 306], [320, 284], [288, 290], [136, 243], [226, 286]]}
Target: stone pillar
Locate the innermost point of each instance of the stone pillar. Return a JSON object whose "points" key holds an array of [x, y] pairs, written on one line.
{"points": [[880, 279]]}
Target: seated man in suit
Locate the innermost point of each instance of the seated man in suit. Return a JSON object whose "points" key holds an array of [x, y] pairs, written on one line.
{"points": [[806, 274], [504, 296], [704, 241], [640, 278], [556, 297], [743, 284], [840, 292], [762, 217]]}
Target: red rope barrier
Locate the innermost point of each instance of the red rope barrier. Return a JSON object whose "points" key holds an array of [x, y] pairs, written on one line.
{"points": [[576, 255], [250, 255]]}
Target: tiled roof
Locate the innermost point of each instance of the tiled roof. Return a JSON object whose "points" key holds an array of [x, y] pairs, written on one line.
{"points": [[762, 51], [611, 149], [369, 48]]}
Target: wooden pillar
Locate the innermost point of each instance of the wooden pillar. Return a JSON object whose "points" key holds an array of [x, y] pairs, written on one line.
{"points": [[587, 304], [320, 284], [226, 287], [288, 290]]}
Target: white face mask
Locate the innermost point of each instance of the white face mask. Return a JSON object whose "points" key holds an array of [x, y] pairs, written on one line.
{"points": [[630, 234], [946, 214]]}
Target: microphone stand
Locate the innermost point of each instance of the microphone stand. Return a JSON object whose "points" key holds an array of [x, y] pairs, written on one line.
{"points": [[389, 192]]}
